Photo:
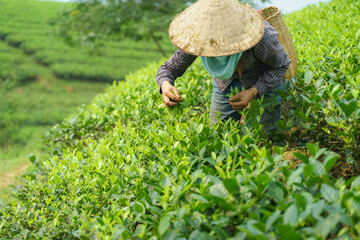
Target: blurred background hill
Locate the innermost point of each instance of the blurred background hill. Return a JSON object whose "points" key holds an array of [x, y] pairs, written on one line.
{"points": [[44, 79]]}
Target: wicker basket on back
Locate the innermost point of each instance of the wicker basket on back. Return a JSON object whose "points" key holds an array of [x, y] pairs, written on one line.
{"points": [[273, 16]]}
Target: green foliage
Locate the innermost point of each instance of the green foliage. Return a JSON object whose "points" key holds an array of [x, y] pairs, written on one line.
{"points": [[126, 167], [233, 92], [7, 109], [158, 173], [26, 36], [89, 21], [325, 97], [15, 66], [31, 110], [32, 99]]}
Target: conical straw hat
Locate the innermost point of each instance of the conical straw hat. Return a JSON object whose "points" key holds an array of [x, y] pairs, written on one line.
{"points": [[214, 28]]}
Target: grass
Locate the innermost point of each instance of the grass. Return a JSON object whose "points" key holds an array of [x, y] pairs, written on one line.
{"points": [[14, 159], [16, 156]]}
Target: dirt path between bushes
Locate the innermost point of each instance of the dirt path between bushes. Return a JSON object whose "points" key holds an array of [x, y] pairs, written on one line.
{"points": [[8, 178]]}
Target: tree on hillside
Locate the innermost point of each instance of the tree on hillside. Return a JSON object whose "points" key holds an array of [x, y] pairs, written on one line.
{"points": [[89, 20]]}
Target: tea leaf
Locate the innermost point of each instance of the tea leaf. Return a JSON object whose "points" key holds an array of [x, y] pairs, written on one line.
{"points": [[312, 149], [231, 185], [301, 157], [309, 75], [329, 193], [329, 161], [164, 224], [291, 215]]}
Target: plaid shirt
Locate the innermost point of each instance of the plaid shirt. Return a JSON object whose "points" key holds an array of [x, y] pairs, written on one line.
{"points": [[262, 66]]}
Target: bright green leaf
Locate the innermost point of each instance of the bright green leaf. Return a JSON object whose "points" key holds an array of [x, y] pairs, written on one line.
{"points": [[213, 155], [219, 190], [197, 235], [276, 192], [355, 183], [325, 226], [309, 75], [291, 215], [199, 128], [138, 207], [220, 172], [198, 197], [329, 193], [272, 219], [302, 157], [164, 224], [308, 170], [32, 158], [329, 161], [312, 149], [231, 185], [295, 177], [349, 107]]}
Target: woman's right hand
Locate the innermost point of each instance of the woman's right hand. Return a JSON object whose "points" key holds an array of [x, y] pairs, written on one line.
{"points": [[170, 95]]}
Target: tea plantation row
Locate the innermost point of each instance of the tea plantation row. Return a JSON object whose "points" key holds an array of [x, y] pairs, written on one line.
{"points": [[127, 167], [14, 65]]}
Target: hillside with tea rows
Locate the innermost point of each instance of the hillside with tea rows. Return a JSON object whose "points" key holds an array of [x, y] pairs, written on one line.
{"points": [[27, 36], [126, 167], [43, 79]]}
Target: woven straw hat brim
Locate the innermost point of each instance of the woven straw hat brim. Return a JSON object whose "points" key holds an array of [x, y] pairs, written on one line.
{"points": [[214, 28]]}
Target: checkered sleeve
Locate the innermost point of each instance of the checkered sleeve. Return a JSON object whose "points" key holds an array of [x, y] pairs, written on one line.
{"points": [[272, 54], [174, 68]]}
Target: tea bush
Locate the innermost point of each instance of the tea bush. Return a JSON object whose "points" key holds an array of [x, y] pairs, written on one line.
{"points": [[126, 167], [165, 173], [325, 98]]}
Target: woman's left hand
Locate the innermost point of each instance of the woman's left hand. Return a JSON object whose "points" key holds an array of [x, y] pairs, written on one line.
{"points": [[241, 100]]}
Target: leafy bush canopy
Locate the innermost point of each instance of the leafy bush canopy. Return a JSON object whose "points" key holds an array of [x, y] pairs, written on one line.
{"points": [[127, 167], [325, 96]]}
